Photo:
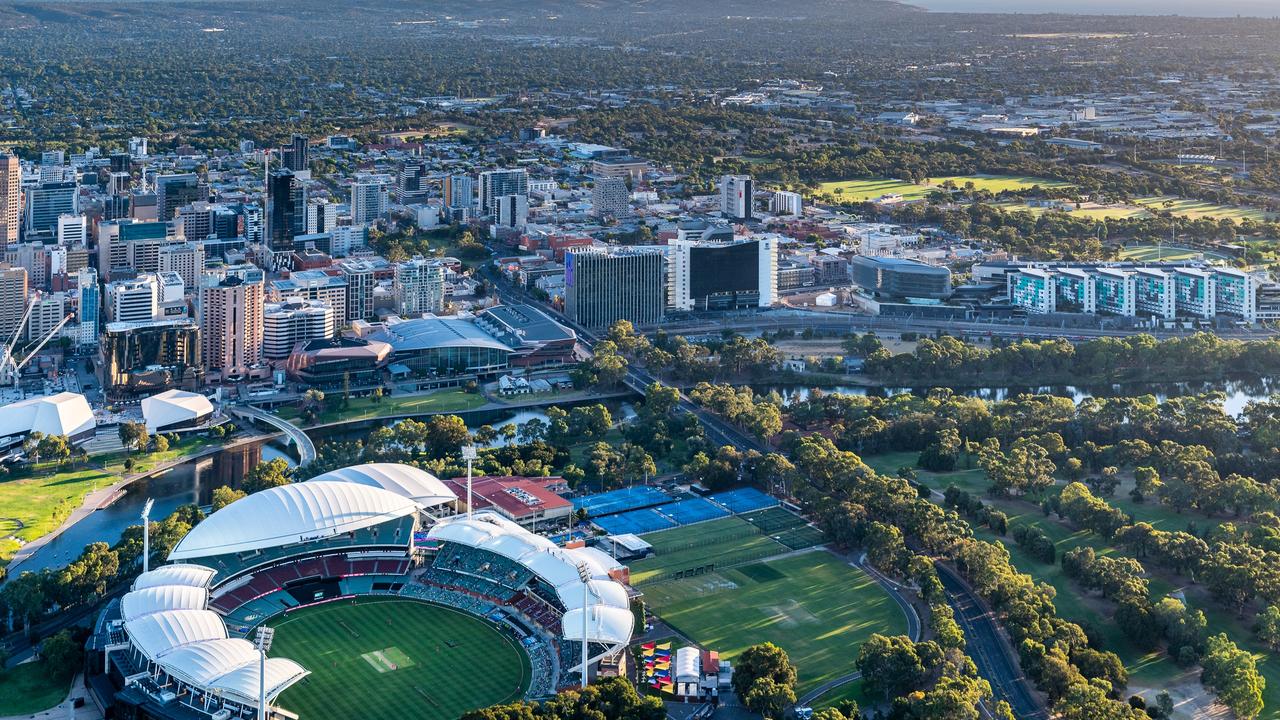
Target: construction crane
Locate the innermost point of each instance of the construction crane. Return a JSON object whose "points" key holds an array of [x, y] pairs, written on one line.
{"points": [[11, 369]]}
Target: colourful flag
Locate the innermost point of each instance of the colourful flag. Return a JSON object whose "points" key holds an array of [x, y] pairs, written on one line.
{"points": [[649, 645], [664, 646]]}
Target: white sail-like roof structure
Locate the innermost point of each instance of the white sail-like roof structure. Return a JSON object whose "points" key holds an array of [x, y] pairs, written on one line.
{"points": [[561, 568], [173, 407], [405, 480], [162, 597], [167, 621], [294, 513], [66, 413]]}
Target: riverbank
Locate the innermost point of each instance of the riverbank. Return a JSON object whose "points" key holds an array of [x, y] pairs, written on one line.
{"points": [[82, 490]]}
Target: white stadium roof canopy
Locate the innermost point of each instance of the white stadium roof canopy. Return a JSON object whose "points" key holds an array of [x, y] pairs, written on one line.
{"points": [[162, 597], [176, 574], [606, 598], [172, 407], [62, 414], [405, 480], [191, 643], [299, 512]]}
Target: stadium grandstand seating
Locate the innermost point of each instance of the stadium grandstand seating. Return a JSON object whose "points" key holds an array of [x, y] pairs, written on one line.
{"points": [[391, 534]]}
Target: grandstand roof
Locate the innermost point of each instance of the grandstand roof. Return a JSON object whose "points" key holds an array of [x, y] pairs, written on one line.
{"points": [[405, 480], [161, 632], [604, 625], [176, 574], [557, 567], [162, 597], [295, 513], [166, 620]]}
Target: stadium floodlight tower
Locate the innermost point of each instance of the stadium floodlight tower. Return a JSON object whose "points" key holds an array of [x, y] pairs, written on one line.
{"points": [[469, 454], [263, 642], [146, 534], [584, 573]]}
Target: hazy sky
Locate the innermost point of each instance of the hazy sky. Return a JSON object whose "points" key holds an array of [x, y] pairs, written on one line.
{"points": [[1213, 8]]}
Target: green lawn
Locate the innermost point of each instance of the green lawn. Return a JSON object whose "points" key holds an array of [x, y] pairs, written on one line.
{"points": [[815, 606], [35, 506], [30, 688], [455, 662], [1170, 253], [1199, 209], [722, 542], [442, 401], [873, 188]]}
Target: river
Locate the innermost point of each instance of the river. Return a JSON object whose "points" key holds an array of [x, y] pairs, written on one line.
{"points": [[194, 482], [1238, 392]]}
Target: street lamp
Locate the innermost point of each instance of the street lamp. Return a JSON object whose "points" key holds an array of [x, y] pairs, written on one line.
{"points": [[469, 454], [262, 641], [146, 534]]}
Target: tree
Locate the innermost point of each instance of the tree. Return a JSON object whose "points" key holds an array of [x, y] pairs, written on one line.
{"points": [[444, 434], [1086, 701], [768, 697], [763, 661], [889, 665], [946, 631], [25, 596], [224, 495], [636, 463], [160, 444], [62, 653], [1233, 674], [133, 435], [267, 475]]}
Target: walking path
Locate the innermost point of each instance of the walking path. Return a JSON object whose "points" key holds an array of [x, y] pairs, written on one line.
{"points": [[306, 448], [105, 496]]}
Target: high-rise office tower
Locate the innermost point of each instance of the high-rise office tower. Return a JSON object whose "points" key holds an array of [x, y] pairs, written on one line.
{"points": [[186, 259], [735, 196], [610, 198], [419, 285], [286, 211], [499, 183], [370, 199], [459, 191], [286, 323], [175, 191], [88, 306], [13, 299], [322, 216], [297, 155], [512, 210], [361, 282], [602, 287], [230, 317], [10, 198], [411, 184], [47, 203]]}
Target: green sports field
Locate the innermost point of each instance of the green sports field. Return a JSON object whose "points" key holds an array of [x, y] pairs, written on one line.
{"points": [[873, 188], [391, 659], [814, 605]]}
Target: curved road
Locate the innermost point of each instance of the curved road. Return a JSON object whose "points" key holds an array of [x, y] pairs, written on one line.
{"points": [[913, 628], [987, 647]]}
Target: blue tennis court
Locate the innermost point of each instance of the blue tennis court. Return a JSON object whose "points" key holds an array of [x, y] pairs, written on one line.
{"points": [[636, 522], [693, 510], [616, 501], [744, 500]]}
